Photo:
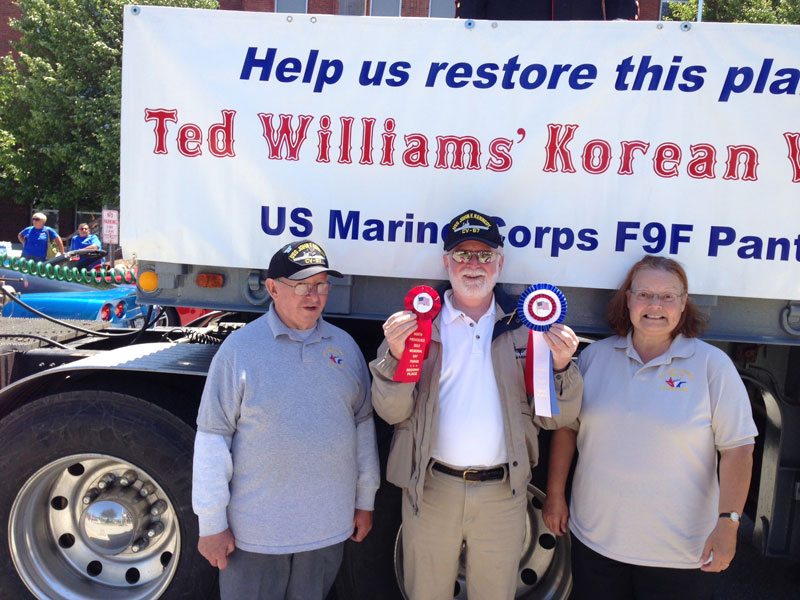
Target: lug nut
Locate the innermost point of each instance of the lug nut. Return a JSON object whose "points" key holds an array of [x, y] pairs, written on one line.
{"points": [[91, 495], [156, 529], [158, 507], [147, 489], [128, 477], [139, 544], [106, 481]]}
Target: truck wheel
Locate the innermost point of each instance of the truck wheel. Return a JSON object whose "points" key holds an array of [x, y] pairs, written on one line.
{"points": [[169, 318], [367, 571], [96, 499], [544, 567]]}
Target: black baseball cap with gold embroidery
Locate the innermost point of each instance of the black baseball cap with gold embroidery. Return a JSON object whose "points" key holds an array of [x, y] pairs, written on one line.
{"points": [[300, 260], [472, 225]]}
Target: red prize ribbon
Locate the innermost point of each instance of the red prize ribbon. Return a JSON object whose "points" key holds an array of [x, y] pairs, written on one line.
{"points": [[425, 303]]}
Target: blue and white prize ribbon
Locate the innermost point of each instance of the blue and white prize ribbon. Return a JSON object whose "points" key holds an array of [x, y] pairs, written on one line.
{"points": [[538, 308]]}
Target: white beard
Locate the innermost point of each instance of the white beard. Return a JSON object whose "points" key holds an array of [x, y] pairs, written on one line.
{"points": [[474, 289]]}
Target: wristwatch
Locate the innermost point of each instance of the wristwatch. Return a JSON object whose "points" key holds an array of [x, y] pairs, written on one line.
{"points": [[733, 516]]}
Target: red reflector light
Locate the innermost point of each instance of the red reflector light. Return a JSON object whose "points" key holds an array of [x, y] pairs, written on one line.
{"points": [[119, 309], [209, 280], [105, 312]]}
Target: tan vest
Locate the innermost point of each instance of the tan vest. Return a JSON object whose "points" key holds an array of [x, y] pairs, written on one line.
{"points": [[413, 409]]}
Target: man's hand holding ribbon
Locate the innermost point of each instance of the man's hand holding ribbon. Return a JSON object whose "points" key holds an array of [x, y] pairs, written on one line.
{"points": [[397, 328], [563, 343]]}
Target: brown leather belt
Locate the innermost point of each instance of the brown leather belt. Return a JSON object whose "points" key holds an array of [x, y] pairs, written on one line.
{"points": [[492, 474]]}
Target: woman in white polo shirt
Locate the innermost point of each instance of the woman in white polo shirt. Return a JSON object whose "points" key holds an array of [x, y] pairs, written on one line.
{"points": [[649, 516]]}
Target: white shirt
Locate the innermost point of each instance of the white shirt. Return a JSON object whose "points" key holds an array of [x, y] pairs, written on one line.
{"points": [[471, 432], [645, 490]]}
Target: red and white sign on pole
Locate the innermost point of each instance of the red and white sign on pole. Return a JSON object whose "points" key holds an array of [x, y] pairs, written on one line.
{"points": [[111, 227]]}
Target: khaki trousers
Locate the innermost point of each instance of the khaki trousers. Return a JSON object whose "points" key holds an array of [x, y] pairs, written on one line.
{"points": [[484, 517]]}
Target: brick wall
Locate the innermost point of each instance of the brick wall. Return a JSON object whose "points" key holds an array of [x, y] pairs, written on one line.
{"points": [[648, 9], [7, 35], [256, 5], [15, 218], [417, 8], [66, 222], [323, 7]]}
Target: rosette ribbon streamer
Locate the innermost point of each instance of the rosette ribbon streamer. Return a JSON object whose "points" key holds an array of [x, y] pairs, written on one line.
{"points": [[424, 301], [538, 308]]}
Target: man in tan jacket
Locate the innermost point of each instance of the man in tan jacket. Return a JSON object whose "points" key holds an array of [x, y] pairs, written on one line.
{"points": [[465, 436]]}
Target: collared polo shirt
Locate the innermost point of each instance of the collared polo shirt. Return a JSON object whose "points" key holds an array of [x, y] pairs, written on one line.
{"points": [[645, 490], [37, 240], [296, 408], [471, 432]]}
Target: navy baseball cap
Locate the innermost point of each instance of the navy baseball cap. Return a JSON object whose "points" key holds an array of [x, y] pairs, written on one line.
{"points": [[472, 225], [300, 260]]}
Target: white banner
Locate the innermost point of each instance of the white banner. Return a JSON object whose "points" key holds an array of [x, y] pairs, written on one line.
{"points": [[594, 143]]}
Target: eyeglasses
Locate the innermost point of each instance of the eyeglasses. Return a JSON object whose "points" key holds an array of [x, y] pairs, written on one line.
{"points": [[644, 296], [36, 219], [464, 256], [304, 289]]}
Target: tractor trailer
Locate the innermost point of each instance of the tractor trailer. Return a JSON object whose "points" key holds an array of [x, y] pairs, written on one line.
{"points": [[592, 144]]}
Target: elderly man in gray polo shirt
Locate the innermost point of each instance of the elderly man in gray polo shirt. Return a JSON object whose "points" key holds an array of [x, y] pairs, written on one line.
{"points": [[285, 464], [465, 433]]}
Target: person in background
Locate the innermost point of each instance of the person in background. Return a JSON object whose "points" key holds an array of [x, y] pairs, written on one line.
{"points": [[286, 459], [653, 514], [36, 238], [548, 10], [86, 240]]}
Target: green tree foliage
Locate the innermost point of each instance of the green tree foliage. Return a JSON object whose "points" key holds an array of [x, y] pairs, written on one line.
{"points": [[738, 11], [60, 102]]}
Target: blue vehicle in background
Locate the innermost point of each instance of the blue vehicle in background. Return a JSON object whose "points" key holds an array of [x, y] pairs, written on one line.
{"points": [[114, 304]]}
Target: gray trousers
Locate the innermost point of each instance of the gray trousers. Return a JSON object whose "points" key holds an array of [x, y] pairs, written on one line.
{"points": [[300, 576]]}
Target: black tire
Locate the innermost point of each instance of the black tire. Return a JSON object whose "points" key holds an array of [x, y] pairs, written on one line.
{"points": [[368, 570], [544, 571], [95, 429], [169, 318]]}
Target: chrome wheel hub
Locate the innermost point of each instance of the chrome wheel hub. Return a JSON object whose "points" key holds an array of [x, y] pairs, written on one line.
{"points": [[110, 527], [543, 572], [93, 527]]}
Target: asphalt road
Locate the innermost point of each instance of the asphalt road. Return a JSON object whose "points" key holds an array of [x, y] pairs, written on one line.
{"points": [[750, 576], [753, 577]]}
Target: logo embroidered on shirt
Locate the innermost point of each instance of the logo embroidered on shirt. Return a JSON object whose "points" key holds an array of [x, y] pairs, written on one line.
{"points": [[521, 352], [676, 379], [334, 356]]}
